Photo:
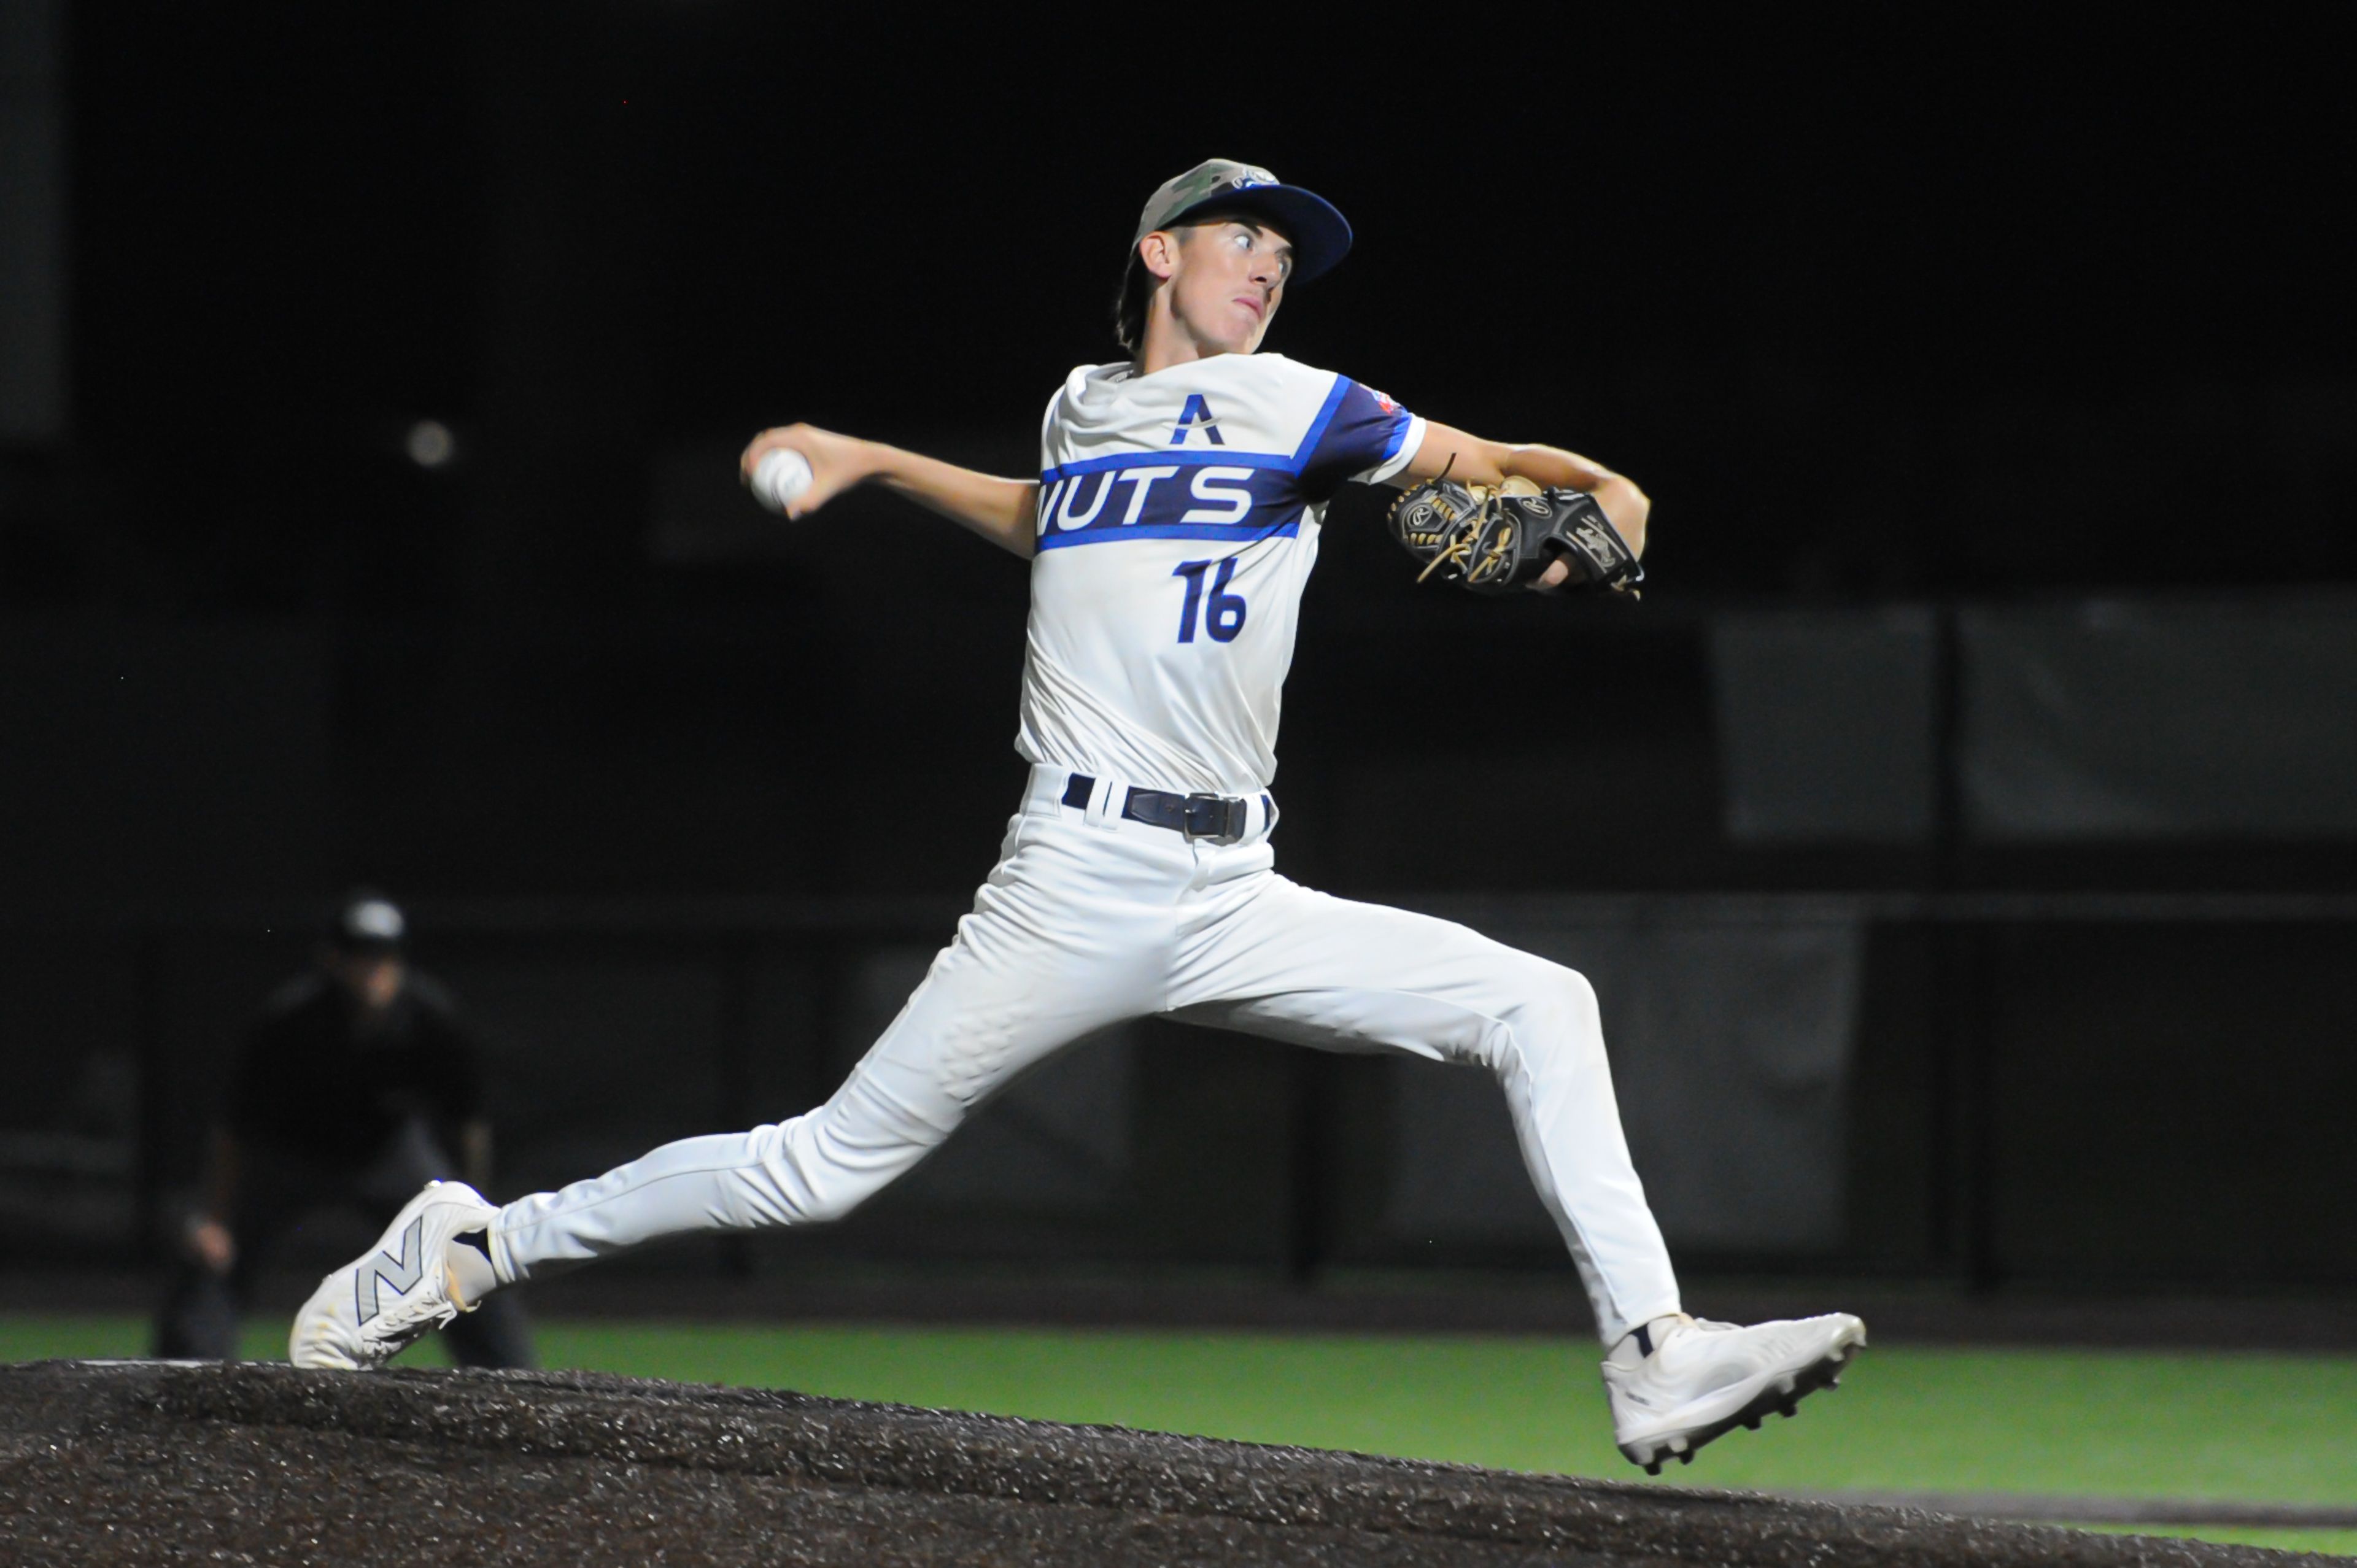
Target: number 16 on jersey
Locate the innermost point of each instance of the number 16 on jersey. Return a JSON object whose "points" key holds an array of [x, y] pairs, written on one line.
{"points": [[1223, 617]]}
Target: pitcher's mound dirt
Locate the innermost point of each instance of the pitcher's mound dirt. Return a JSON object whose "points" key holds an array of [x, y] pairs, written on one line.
{"points": [[158, 1462]]}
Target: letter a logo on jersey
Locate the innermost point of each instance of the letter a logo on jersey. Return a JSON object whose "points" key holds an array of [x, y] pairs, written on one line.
{"points": [[1196, 416]]}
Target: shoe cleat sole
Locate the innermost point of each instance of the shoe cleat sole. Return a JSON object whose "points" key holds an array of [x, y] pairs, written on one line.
{"points": [[1785, 1400]]}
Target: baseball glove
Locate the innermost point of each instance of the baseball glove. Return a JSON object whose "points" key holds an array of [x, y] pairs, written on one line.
{"points": [[1498, 539]]}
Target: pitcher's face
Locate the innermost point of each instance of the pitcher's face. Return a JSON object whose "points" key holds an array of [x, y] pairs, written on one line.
{"points": [[1227, 280]]}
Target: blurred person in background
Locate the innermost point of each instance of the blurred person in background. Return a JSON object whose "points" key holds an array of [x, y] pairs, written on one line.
{"points": [[352, 1087]]}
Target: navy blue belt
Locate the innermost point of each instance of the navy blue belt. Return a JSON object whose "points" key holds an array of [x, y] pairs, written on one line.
{"points": [[1217, 818]]}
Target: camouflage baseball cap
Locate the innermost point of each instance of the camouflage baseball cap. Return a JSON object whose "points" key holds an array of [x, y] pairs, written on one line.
{"points": [[1320, 235]]}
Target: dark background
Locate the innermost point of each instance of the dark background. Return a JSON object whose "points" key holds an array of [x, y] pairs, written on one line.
{"points": [[1949, 318]]}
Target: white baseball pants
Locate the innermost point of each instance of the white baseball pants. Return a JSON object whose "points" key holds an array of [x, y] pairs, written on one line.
{"points": [[1090, 919]]}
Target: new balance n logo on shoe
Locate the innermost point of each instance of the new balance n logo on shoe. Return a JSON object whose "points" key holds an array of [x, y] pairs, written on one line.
{"points": [[407, 1267]]}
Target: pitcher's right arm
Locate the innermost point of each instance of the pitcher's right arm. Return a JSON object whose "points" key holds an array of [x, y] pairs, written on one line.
{"points": [[1002, 510]]}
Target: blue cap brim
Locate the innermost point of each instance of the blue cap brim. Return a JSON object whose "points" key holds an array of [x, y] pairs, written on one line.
{"points": [[1320, 234]]}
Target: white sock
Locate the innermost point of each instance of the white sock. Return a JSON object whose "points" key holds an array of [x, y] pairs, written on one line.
{"points": [[468, 1260], [1646, 1337]]}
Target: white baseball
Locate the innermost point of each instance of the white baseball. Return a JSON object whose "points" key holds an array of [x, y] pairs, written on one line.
{"points": [[779, 477]]}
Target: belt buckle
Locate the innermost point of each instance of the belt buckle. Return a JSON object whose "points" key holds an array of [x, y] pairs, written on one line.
{"points": [[1224, 816]]}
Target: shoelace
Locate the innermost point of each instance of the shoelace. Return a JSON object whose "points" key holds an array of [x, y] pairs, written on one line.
{"points": [[410, 1317]]}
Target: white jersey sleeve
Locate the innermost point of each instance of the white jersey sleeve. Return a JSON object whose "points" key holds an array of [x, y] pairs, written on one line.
{"points": [[1179, 521]]}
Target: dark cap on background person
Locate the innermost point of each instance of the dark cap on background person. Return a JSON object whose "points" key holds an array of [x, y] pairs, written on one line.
{"points": [[368, 921]]}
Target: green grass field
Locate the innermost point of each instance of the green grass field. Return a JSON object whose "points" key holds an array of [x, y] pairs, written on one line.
{"points": [[2240, 1426]]}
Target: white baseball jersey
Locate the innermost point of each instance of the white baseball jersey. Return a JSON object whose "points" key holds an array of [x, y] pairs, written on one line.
{"points": [[1179, 518]]}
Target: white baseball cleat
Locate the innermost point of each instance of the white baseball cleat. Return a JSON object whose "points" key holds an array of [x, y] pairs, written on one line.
{"points": [[1704, 1379], [373, 1308]]}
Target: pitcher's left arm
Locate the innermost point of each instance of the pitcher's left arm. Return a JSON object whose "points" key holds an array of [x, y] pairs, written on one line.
{"points": [[1471, 460]]}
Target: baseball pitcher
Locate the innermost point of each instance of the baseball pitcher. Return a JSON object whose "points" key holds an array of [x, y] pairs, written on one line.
{"points": [[1171, 526]]}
